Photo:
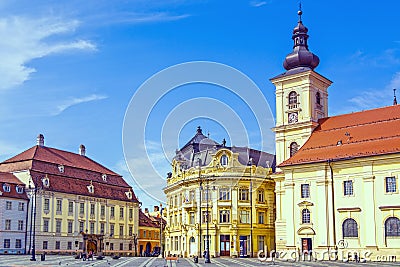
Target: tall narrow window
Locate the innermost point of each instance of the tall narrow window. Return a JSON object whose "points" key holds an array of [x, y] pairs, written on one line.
{"points": [[305, 190], [46, 205], [294, 147], [305, 216], [392, 226], [224, 160], [318, 98], [292, 100], [59, 206], [390, 184], [350, 228]]}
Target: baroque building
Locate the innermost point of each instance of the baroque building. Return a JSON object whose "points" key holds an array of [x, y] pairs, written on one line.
{"points": [[222, 196], [337, 177], [13, 214], [76, 203]]}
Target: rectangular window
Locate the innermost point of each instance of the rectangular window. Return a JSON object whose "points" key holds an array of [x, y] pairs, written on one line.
{"points": [[112, 229], [305, 190], [348, 188], [21, 206], [103, 211], [7, 243], [121, 212], [192, 218], [224, 216], [130, 230], [224, 194], [8, 225], [58, 226], [45, 244], [192, 194], [82, 208], [243, 194], [391, 184], [8, 205], [46, 205], [57, 244], [81, 226], [206, 216], [260, 196], [130, 214], [206, 196], [70, 224], [112, 212], [92, 208], [59, 205], [261, 216], [102, 227], [121, 246], [144, 233], [45, 225], [20, 225], [111, 246], [18, 243], [260, 242], [92, 227], [70, 207], [69, 245], [244, 216]]}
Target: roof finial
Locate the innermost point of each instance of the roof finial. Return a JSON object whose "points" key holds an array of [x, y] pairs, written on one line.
{"points": [[300, 12], [394, 99], [199, 131]]}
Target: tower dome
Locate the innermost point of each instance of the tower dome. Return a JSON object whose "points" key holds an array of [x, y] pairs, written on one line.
{"points": [[301, 56]]}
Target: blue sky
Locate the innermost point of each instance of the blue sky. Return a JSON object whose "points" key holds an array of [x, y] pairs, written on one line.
{"points": [[69, 69]]}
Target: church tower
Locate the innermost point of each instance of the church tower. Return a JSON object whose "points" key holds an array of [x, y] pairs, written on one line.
{"points": [[301, 96]]}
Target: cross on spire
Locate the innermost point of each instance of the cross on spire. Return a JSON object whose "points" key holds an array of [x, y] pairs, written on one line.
{"points": [[394, 99]]}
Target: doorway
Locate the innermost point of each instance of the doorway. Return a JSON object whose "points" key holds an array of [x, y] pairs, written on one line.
{"points": [[225, 245], [243, 246], [192, 247]]}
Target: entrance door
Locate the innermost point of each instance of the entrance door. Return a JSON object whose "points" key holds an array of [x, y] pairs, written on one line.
{"points": [[306, 248], [192, 247], [243, 246], [225, 245]]}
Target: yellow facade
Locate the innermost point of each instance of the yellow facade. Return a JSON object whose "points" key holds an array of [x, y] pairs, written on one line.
{"points": [[240, 223]]}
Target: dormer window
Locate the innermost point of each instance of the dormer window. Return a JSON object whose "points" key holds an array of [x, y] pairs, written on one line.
{"points": [[104, 176], [61, 168], [46, 181], [224, 160], [6, 188], [19, 189], [91, 187], [293, 100], [129, 194]]}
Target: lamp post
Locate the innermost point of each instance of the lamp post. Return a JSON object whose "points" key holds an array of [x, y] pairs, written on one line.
{"points": [[33, 258], [200, 182], [161, 230], [135, 243], [207, 259]]}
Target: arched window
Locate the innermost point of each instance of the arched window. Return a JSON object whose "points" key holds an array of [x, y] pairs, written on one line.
{"points": [[293, 99], [294, 147], [392, 227], [224, 160], [305, 216], [350, 228], [318, 98]]}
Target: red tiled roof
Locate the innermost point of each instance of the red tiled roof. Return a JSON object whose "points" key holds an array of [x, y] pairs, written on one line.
{"points": [[145, 221], [361, 134], [9, 178], [79, 171]]}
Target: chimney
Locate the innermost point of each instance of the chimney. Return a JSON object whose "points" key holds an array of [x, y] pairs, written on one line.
{"points": [[82, 150], [156, 208], [40, 140]]}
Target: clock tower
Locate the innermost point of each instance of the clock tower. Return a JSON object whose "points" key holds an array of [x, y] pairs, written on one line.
{"points": [[301, 96]]}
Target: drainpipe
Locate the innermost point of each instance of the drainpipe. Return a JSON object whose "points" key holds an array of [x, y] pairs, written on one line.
{"points": [[333, 203]]}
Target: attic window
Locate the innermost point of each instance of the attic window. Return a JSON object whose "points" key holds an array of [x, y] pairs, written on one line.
{"points": [[104, 176], [224, 160], [6, 188], [19, 189], [61, 168], [46, 181], [90, 187], [129, 194]]}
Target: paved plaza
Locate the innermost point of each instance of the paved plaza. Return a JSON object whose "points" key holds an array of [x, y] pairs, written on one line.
{"points": [[56, 260]]}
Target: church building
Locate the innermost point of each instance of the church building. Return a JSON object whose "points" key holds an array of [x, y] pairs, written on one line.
{"points": [[336, 181]]}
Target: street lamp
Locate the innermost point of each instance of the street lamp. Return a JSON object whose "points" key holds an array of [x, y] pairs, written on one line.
{"points": [[250, 163], [201, 183], [207, 259], [33, 193], [161, 230], [135, 237]]}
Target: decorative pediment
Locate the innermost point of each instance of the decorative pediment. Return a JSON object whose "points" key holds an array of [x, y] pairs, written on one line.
{"points": [[91, 187], [306, 231], [46, 181], [129, 194], [305, 203]]}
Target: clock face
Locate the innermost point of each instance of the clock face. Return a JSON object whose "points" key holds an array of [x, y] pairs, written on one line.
{"points": [[292, 117]]}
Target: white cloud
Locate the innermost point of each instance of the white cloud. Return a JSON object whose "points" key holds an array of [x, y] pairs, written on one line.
{"points": [[75, 101], [259, 3], [23, 39], [135, 18]]}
